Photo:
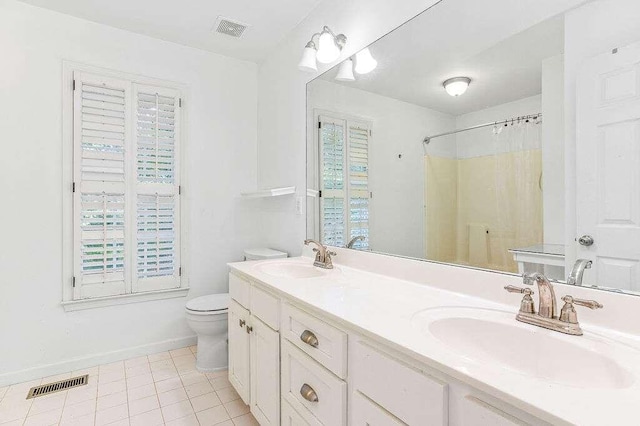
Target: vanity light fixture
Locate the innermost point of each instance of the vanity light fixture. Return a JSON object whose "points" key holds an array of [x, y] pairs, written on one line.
{"points": [[326, 50], [365, 62], [345, 72], [456, 86]]}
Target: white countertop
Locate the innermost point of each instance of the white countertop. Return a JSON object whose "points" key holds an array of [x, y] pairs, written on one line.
{"points": [[382, 307]]}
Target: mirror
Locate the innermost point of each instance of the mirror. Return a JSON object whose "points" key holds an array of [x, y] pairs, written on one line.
{"points": [[528, 160]]}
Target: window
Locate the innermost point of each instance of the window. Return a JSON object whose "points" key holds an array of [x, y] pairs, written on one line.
{"points": [[344, 180], [126, 187]]}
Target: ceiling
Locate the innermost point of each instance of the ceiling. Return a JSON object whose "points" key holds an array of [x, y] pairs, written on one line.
{"points": [[191, 22], [502, 56]]}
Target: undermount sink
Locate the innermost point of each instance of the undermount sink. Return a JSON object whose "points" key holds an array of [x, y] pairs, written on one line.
{"points": [[290, 270], [492, 337]]}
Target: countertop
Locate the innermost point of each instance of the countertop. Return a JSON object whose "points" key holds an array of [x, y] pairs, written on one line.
{"points": [[383, 307]]}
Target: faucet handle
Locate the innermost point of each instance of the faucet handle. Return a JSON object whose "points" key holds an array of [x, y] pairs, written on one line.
{"points": [[331, 253], [526, 305], [591, 304], [514, 289]]}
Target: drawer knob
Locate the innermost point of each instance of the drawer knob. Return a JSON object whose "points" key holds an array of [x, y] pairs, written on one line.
{"points": [[242, 322], [309, 338], [308, 393]]}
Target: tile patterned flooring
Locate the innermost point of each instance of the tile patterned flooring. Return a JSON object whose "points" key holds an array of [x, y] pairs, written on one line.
{"points": [[159, 389]]}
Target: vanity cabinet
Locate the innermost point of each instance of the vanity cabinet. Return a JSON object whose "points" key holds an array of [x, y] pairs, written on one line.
{"points": [[239, 348], [254, 349], [295, 367]]}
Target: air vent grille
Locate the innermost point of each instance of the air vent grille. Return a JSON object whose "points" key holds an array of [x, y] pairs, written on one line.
{"points": [[54, 387], [229, 27]]}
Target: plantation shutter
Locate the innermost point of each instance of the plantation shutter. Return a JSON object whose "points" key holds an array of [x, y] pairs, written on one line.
{"points": [[358, 178], [331, 137], [156, 195], [101, 128]]}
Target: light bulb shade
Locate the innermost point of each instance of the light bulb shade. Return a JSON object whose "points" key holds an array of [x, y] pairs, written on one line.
{"points": [[308, 61], [456, 86], [345, 72], [365, 62], [328, 50]]}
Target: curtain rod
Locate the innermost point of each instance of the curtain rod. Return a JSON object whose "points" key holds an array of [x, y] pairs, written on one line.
{"points": [[479, 126]]}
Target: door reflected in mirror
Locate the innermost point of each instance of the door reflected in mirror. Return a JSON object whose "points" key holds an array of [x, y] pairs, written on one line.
{"points": [[508, 142]]}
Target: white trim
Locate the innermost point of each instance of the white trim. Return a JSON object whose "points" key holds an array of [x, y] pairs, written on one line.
{"points": [[68, 69], [94, 360], [123, 299]]}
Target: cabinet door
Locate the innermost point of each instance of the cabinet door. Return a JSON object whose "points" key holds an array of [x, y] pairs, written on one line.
{"points": [[366, 413], [239, 362], [265, 373]]}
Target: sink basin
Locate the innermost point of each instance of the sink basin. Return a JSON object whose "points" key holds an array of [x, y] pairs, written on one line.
{"points": [[491, 337], [290, 270]]}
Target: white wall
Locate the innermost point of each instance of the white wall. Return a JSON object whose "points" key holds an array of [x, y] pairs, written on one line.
{"points": [[221, 161], [553, 195], [597, 27], [397, 206]]}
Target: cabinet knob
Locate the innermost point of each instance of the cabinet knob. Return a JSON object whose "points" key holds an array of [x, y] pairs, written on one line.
{"points": [[249, 329], [308, 393], [242, 323], [309, 338], [586, 240]]}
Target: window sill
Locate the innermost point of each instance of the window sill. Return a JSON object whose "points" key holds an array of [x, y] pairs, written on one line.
{"points": [[124, 299]]}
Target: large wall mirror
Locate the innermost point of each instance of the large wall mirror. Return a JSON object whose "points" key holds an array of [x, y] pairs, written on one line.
{"points": [[526, 159]]}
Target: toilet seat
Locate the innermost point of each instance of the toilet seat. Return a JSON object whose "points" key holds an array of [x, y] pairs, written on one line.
{"points": [[211, 304]]}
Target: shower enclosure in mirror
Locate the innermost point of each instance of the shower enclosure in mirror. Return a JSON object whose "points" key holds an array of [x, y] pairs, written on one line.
{"points": [[504, 141]]}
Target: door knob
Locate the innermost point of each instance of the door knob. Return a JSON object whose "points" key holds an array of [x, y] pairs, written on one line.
{"points": [[585, 240]]}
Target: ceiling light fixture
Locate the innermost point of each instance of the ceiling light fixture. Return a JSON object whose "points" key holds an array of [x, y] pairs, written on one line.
{"points": [[345, 72], [326, 50], [365, 62], [456, 86]]}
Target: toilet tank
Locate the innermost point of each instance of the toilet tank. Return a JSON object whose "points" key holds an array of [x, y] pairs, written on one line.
{"points": [[263, 253]]}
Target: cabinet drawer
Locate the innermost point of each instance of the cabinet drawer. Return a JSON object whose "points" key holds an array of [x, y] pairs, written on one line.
{"points": [[290, 417], [405, 392], [265, 306], [239, 290], [331, 349], [478, 413], [298, 369], [365, 413]]}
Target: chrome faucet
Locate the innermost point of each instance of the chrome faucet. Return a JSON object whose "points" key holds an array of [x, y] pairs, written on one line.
{"points": [[353, 241], [547, 315], [575, 278], [547, 305], [323, 255]]}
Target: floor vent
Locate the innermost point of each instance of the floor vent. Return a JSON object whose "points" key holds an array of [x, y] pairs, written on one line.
{"points": [[54, 387], [229, 27]]}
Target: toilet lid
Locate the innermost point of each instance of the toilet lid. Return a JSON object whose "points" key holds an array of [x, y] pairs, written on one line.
{"points": [[212, 302]]}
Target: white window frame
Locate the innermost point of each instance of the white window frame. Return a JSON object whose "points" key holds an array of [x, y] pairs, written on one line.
{"points": [[68, 302], [316, 168]]}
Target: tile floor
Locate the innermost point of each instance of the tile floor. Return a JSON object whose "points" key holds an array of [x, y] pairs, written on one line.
{"points": [[159, 389]]}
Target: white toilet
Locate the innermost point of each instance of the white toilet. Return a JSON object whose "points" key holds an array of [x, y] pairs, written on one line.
{"points": [[207, 317]]}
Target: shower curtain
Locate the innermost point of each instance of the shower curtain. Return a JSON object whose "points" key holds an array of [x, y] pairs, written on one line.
{"points": [[518, 185]]}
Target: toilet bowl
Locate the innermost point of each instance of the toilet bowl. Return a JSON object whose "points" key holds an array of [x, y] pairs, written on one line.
{"points": [[207, 317]]}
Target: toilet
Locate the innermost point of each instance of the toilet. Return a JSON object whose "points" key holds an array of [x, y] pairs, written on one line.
{"points": [[207, 317]]}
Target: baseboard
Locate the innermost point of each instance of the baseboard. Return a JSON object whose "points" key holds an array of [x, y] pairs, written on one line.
{"points": [[93, 360]]}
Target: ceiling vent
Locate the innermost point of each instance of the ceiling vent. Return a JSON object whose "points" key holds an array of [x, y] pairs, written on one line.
{"points": [[229, 27]]}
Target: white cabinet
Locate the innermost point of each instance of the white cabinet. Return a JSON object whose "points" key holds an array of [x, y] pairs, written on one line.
{"points": [[406, 392], [239, 362], [254, 349], [265, 373], [475, 412]]}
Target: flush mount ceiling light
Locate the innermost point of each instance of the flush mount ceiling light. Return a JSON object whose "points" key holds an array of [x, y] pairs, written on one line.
{"points": [[365, 62], [326, 50], [456, 86], [345, 72]]}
